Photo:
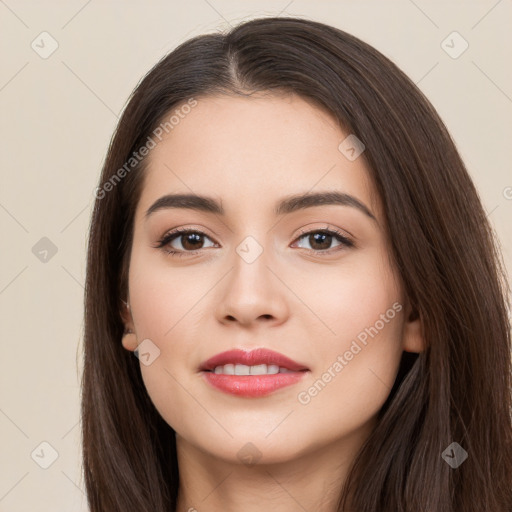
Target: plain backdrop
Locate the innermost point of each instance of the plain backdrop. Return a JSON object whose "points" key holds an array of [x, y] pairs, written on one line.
{"points": [[58, 112]]}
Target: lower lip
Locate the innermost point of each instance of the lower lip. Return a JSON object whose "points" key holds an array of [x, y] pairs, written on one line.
{"points": [[252, 385]]}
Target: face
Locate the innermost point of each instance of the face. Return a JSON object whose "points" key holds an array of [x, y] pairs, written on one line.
{"points": [[312, 282]]}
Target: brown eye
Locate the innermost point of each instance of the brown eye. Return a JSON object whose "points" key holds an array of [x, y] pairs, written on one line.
{"points": [[321, 240], [191, 241], [183, 241]]}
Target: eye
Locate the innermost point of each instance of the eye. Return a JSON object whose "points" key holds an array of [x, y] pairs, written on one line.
{"points": [[187, 241], [320, 240], [181, 242]]}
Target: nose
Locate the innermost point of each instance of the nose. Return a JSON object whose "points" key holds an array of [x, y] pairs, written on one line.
{"points": [[252, 294]]}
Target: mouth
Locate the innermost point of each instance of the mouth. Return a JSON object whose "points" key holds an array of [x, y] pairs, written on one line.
{"points": [[243, 369], [251, 374]]}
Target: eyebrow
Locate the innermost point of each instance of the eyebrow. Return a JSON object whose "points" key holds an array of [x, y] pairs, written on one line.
{"points": [[287, 205]]}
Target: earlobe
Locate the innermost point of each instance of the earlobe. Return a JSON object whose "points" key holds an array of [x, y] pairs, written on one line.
{"points": [[129, 340], [412, 338]]}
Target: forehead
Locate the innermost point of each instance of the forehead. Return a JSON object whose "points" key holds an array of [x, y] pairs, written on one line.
{"points": [[250, 150]]}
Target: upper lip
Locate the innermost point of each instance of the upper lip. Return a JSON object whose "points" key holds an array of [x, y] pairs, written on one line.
{"points": [[252, 358]]}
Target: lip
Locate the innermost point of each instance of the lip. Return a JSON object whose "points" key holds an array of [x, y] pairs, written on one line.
{"points": [[252, 358], [252, 385]]}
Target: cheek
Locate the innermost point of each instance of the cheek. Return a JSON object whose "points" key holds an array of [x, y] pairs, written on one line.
{"points": [[165, 300], [168, 308], [351, 298], [357, 357], [355, 379]]}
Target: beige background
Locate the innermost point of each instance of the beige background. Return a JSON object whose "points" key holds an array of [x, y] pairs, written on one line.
{"points": [[58, 115]]}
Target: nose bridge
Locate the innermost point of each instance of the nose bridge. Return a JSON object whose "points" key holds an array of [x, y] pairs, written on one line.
{"points": [[250, 260], [252, 290]]}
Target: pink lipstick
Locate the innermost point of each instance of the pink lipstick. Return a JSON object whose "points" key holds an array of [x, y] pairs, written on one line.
{"points": [[251, 374]]}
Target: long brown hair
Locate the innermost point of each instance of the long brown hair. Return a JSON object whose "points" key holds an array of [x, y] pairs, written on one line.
{"points": [[457, 390]]}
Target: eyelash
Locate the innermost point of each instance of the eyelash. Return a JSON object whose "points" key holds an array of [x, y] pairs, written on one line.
{"points": [[169, 237]]}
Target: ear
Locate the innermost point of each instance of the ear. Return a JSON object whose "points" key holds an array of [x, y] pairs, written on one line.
{"points": [[129, 339], [412, 336]]}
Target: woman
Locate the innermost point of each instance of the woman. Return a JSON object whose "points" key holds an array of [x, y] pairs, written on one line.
{"points": [[286, 238]]}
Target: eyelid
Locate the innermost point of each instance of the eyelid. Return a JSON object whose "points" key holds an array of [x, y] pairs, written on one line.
{"points": [[193, 228], [326, 227]]}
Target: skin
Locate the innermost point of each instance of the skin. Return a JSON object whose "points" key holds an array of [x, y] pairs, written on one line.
{"points": [[249, 153]]}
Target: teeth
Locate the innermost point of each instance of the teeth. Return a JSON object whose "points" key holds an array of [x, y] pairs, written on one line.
{"points": [[227, 369], [242, 369], [260, 369]]}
